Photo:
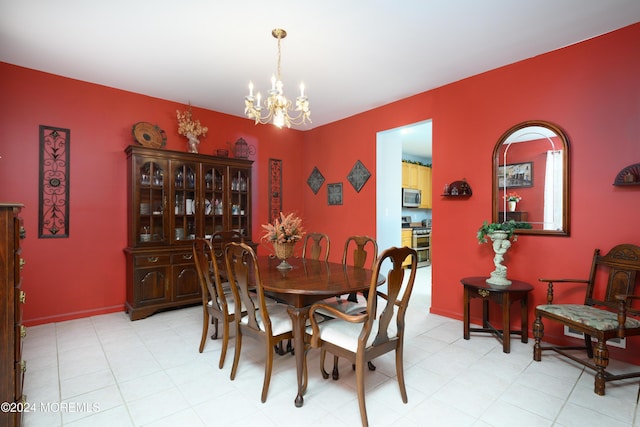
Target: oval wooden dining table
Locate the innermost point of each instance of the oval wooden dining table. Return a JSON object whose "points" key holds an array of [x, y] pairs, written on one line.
{"points": [[307, 282]]}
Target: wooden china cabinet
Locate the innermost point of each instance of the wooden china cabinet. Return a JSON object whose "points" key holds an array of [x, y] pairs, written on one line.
{"points": [[174, 197], [12, 367]]}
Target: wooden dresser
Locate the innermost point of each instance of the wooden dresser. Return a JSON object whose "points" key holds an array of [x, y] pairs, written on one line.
{"points": [[12, 297]]}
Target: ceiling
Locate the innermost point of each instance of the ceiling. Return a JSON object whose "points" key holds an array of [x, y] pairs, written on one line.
{"points": [[351, 55]]}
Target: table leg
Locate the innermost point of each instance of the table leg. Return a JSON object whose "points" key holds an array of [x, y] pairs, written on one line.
{"points": [[506, 323], [298, 319], [465, 299], [524, 319]]}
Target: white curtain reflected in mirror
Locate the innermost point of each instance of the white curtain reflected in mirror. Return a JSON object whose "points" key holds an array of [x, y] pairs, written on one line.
{"points": [[553, 191], [531, 178]]}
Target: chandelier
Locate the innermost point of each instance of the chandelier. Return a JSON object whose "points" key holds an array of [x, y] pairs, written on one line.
{"points": [[277, 107]]}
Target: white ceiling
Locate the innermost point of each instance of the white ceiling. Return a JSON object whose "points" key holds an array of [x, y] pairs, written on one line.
{"points": [[352, 55]]}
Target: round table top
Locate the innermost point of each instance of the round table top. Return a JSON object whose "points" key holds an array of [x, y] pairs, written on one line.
{"points": [[311, 277], [480, 282]]}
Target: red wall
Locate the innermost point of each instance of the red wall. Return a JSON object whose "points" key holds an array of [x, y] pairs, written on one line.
{"points": [[589, 89], [85, 274]]}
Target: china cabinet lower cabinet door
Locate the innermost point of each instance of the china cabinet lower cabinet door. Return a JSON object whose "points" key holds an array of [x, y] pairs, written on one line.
{"points": [[185, 277]]}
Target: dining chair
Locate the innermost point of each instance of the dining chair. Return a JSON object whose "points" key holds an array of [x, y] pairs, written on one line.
{"points": [[362, 337], [270, 324], [608, 311], [312, 246], [218, 303], [220, 238], [357, 249]]}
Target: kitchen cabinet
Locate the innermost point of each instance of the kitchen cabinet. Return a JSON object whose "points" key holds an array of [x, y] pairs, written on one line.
{"points": [[12, 297], [172, 198], [407, 241], [424, 185], [409, 175], [418, 177]]}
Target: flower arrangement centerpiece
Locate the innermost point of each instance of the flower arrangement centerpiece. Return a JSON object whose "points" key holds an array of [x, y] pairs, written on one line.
{"points": [[283, 234], [512, 199], [190, 128]]}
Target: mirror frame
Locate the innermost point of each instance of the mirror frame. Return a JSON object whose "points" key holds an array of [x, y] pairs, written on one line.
{"points": [[497, 194]]}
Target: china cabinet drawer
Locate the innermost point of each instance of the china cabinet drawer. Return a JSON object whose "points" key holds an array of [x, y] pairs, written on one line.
{"points": [[182, 258], [152, 260]]}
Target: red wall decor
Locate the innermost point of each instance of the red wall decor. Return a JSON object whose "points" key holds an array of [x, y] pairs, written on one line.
{"points": [[53, 206], [275, 189]]}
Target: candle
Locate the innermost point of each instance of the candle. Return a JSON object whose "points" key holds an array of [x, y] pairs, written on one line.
{"points": [[258, 96], [273, 82], [250, 88], [301, 90]]}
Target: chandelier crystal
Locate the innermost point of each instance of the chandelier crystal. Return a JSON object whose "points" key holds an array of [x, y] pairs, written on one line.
{"points": [[278, 108]]}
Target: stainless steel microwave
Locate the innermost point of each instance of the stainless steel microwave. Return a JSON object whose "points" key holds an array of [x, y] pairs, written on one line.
{"points": [[410, 198]]}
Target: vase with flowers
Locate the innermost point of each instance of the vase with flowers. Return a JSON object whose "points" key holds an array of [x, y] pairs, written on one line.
{"points": [[190, 128], [512, 200], [283, 234]]}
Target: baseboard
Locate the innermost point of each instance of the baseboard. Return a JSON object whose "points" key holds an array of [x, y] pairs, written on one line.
{"points": [[73, 315]]}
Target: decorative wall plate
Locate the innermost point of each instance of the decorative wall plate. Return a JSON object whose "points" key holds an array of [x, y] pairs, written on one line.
{"points": [[315, 180], [334, 193], [358, 176], [149, 135]]}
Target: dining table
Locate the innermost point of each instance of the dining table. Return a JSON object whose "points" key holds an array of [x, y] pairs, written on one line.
{"points": [[306, 282]]}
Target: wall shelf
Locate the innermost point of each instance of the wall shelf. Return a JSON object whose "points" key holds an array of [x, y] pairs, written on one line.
{"points": [[458, 189], [628, 176]]}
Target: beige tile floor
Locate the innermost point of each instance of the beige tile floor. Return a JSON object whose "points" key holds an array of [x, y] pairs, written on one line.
{"points": [[109, 371]]}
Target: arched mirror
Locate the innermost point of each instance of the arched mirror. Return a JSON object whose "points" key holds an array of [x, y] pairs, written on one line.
{"points": [[531, 168]]}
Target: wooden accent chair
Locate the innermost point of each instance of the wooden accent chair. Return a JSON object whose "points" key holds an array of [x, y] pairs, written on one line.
{"points": [[312, 247], [605, 314], [268, 323], [217, 299], [364, 336]]}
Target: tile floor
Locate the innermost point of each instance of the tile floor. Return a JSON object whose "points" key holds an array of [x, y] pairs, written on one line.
{"points": [[109, 371]]}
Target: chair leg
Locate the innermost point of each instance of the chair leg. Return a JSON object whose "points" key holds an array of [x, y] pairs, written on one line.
{"points": [[268, 364], [360, 387], [601, 358], [236, 354], [335, 374], [588, 345], [323, 354], [400, 373], [205, 328], [225, 343], [538, 333], [215, 329]]}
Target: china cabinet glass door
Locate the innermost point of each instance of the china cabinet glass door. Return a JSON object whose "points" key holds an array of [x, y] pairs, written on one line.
{"points": [[151, 205], [214, 197], [184, 177], [240, 202]]}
